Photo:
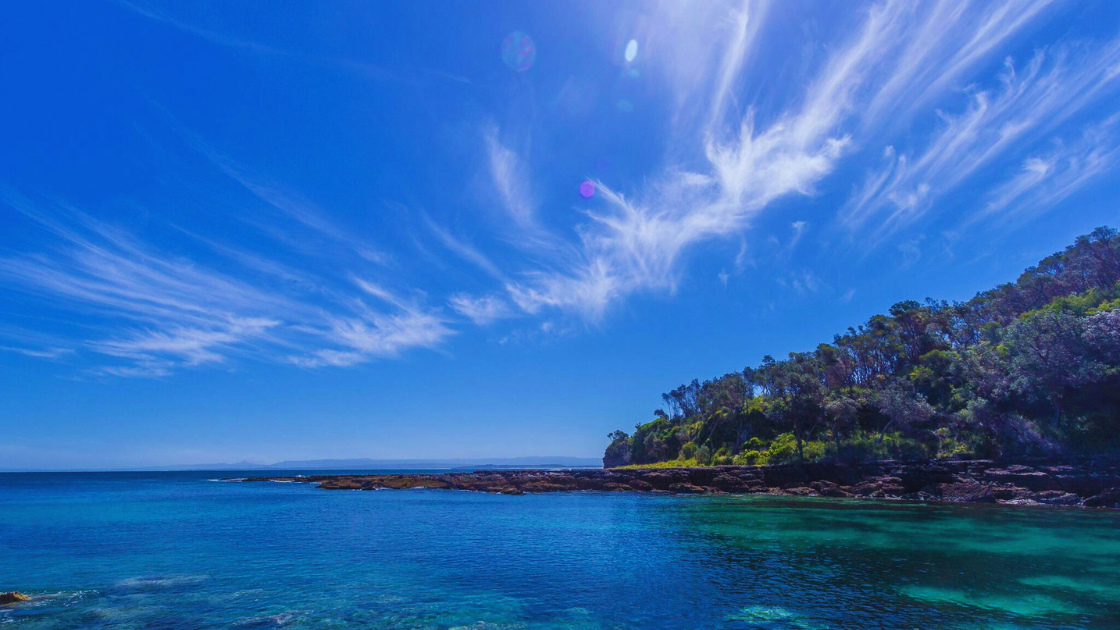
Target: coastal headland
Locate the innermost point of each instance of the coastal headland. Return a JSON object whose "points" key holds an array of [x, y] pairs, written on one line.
{"points": [[1086, 484]]}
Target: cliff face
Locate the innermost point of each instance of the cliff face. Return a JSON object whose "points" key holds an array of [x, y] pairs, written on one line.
{"points": [[1093, 484]]}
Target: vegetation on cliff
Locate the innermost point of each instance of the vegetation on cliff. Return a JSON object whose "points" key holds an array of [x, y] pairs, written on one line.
{"points": [[1028, 369]]}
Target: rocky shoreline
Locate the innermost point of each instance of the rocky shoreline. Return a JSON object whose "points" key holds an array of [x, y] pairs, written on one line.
{"points": [[1086, 484]]}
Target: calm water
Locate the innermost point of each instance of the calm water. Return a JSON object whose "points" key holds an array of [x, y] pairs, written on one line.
{"points": [[175, 551]]}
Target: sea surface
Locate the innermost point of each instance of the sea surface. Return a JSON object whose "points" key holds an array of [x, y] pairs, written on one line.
{"points": [[179, 551]]}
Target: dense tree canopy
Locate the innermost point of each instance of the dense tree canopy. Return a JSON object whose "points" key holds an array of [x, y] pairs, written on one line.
{"points": [[1030, 368]]}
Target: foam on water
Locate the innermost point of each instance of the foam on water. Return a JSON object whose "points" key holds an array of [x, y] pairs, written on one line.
{"points": [[149, 583]]}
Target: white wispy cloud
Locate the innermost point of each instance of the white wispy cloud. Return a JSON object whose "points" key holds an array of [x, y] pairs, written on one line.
{"points": [[508, 174], [734, 144], [376, 336], [187, 347], [98, 266], [463, 249], [902, 56], [304, 212], [38, 353], [1053, 85], [637, 244], [1047, 178], [197, 23], [798, 228], [801, 282], [155, 12], [155, 313], [370, 333], [934, 45], [481, 310], [745, 23]]}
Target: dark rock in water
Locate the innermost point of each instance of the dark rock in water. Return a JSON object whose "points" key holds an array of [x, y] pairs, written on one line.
{"points": [[1057, 497], [829, 489], [1109, 498], [13, 598], [1090, 483], [686, 488]]}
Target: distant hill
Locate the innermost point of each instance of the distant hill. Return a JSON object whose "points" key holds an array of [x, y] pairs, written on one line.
{"points": [[557, 461], [503, 462]]}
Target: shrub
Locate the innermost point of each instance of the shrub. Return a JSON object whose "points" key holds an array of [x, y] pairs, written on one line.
{"points": [[688, 451], [863, 447], [949, 447], [703, 456], [814, 450], [675, 463], [783, 449], [752, 458]]}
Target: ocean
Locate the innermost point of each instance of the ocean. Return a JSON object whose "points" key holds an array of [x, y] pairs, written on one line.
{"points": [[183, 550]]}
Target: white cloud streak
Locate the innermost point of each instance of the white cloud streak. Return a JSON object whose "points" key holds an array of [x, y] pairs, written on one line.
{"points": [[481, 310], [156, 314], [510, 180], [1046, 179], [464, 250], [1030, 101]]}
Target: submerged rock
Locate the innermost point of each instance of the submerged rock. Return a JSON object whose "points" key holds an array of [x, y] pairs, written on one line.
{"points": [[1108, 498], [13, 598], [967, 492]]}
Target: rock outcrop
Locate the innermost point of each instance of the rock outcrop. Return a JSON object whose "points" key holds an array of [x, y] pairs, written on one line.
{"points": [[617, 454], [1089, 484], [12, 598]]}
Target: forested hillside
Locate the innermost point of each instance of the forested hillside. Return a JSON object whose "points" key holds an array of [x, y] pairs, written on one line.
{"points": [[1028, 369]]}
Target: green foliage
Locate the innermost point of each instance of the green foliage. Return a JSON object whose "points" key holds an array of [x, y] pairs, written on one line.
{"points": [[752, 458], [949, 448], [1028, 368], [673, 463], [869, 447], [783, 449], [703, 456]]}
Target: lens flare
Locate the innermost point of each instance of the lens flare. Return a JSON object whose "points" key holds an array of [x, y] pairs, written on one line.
{"points": [[631, 50], [586, 189], [518, 51]]}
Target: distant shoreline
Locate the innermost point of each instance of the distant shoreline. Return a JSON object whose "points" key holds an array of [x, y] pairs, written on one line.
{"points": [[341, 465], [1095, 484]]}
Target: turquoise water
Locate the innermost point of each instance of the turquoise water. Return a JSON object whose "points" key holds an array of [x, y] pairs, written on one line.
{"points": [[174, 551]]}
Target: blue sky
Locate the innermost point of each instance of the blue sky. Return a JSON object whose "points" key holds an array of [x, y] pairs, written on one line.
{"points": [[274, 231]]}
